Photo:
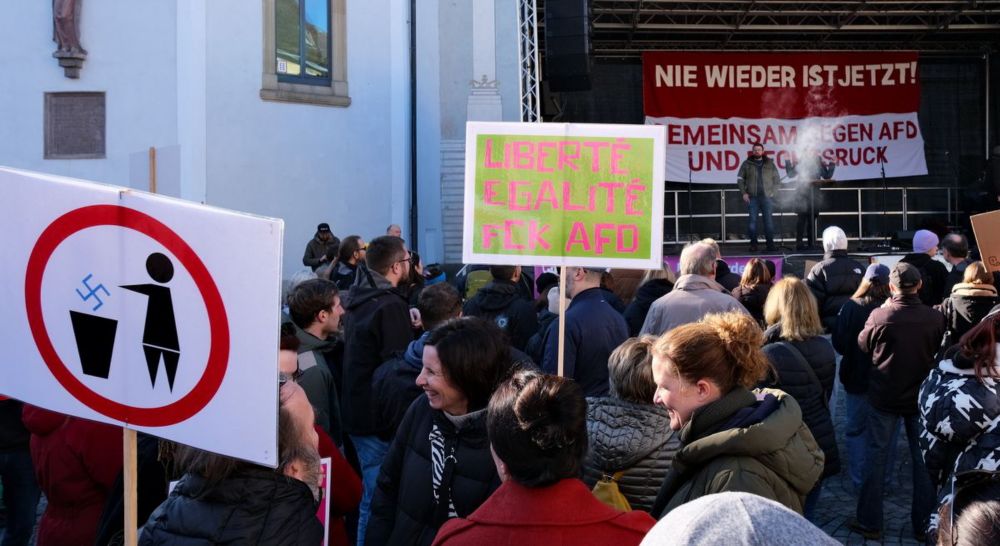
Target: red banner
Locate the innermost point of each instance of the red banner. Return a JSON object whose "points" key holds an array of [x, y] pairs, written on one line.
{"points": [[855, 109]]}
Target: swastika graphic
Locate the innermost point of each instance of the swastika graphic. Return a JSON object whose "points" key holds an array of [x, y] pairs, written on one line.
{"points": [[92, 292]]}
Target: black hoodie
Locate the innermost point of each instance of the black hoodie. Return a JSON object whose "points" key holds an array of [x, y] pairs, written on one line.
{"points": [[933, 274], [376, 326], [500, 302]]}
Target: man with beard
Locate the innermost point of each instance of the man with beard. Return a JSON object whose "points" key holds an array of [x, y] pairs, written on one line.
{"points": [[321, 247], [758, 182], [221, 500]]}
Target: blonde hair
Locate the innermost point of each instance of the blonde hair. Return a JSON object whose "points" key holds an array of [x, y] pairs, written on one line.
{"points": [[792, 303], [665, 272], [630, 370], [976, 272], [723, 348], [755, 273]]}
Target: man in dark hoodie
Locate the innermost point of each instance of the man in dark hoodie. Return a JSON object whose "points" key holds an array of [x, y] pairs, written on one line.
{"points": [[377, 325], [394, 385], [758, 182], [500, 302], [314, 306], [932, 272]]}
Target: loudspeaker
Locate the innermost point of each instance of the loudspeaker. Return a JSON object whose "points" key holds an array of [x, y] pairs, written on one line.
{"points": [[567, 45]]}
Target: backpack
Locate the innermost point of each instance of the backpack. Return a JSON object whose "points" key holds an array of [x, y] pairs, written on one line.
{"points": [[475, 280], [606, 490]]}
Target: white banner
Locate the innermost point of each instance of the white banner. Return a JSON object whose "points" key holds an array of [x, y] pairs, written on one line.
{"points": [[141, 311], [710, 150]]}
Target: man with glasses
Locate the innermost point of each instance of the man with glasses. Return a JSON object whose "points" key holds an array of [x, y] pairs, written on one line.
{"points": [[376, 327], [314, 307]]}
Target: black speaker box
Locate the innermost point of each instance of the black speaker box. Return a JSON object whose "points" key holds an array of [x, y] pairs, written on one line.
{"points": [[567, 45]]}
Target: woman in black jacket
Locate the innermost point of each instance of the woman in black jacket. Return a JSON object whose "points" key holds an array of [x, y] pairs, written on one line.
{"points": [[805, 366], [655, 283], [754, 287], [969, 301], [856, 364], [439, 465]]}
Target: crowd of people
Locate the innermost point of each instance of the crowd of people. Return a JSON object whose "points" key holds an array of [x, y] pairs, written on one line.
{"points": [[693, 408]]}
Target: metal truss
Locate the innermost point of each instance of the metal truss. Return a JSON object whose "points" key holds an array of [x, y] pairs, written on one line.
{"points": [[527, 54], [627, 27]]}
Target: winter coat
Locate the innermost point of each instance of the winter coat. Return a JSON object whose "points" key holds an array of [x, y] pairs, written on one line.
{"points": [[965, 307], [376, 326], [394, 387], [344, 275], [725, 277], [902, 338], [693, 297], [501, 303], [536, 344], [650, 291], [745, 441], [960, 422], [344, 494], [255, 506], [76, 462], [406, 509], [813, 397], [748, 179], [855, 364], [752, 298], [13, 436], [934, 275], [629, 437], [564, 513], [316, 249], [955, 276], [593, 330], [319, 362], [833, 281]]}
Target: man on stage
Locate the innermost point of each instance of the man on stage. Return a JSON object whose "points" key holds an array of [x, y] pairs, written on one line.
{"points": [[808, 171], [758, 181]]}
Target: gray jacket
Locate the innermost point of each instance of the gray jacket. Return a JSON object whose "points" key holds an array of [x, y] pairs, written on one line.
{"points": [[629, 437], [693, 297]]}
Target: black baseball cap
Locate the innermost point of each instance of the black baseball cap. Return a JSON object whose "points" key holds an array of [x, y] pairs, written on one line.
{"points": [[904, 275], [323, 227]]}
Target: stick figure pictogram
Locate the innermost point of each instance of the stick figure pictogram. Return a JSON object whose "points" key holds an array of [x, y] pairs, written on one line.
{"points": [[159, 335]]}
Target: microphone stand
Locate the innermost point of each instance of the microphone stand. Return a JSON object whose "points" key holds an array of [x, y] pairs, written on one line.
{"points": [[886, 242]]}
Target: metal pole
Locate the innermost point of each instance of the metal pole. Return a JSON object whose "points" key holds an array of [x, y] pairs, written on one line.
{"points": [[414, 216]]}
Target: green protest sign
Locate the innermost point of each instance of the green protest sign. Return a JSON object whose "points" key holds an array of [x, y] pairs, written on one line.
{"points": [[589, 195]]}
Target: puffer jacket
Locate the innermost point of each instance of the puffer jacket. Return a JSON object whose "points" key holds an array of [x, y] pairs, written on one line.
{"points": [[256, 506], [745, 441], [960, 422], [500, 302], [405, 509], [833, 282], [631, 438], [967, 305], [813, 397]]}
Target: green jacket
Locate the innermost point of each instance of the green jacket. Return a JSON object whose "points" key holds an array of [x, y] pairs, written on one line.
{"points": [[747, 180], [776, 458]]}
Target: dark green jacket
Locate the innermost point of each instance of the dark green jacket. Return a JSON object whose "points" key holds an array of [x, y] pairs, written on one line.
{"points": [[776, 458], [747, 180]]}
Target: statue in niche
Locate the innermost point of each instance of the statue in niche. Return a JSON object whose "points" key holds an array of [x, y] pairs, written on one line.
{"points": [[66, 34]]}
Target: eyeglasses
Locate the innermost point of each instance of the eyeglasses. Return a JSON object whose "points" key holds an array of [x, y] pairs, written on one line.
{"points": [[963, 481], [404, 260]]}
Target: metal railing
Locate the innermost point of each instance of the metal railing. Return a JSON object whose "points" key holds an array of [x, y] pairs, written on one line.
{"points": [[852, 221]]}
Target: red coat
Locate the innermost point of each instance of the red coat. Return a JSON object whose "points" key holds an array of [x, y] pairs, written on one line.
{"points": [[345, 489], [563, 513], [76, 463]]}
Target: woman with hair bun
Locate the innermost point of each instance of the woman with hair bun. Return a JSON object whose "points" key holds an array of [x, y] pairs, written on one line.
{"points": [[538, 433], [732, 438]]}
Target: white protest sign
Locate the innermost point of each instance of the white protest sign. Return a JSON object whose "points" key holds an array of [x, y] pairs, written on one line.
{"points": [[143, 311]]}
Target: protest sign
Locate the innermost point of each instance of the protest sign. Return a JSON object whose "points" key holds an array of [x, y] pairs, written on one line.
{"points": [[986, 226], [857, 110], [133, 309], [566, 194]]}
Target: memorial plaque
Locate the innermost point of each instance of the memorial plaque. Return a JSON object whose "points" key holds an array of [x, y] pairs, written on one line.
{"points": [[74, 125]]}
